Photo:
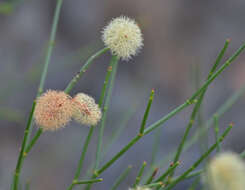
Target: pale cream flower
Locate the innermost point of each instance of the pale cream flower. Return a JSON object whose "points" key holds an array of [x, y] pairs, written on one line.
{"points": [[123, 36], [53, 110], [86, 111], [226, 171], [140, 188]]}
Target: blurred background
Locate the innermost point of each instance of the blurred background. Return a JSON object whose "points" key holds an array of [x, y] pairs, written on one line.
{"points": [[181, 41]]}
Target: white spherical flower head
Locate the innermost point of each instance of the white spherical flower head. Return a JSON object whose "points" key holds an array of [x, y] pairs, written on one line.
{"points": [[226, 171], [123, 37]]}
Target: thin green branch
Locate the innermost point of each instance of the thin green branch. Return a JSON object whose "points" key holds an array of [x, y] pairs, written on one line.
{"points": [[91, 130], [200, 171], [40, 89], [142, 128], [121, 178], [152, 185], [197, 107], [51, 45], [76, 182], [114, 64], [152, 176], [33, 141], [138, 178], [167, 172], [91, 59], [220, 112], [112, 139], [194, 166], [172, 113], [216, 131], [21, 155]]}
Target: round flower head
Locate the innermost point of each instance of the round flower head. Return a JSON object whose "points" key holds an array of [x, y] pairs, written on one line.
{"points": [[140, 188], [53, 110], [123, 36], [226, 172], [86, 111]]}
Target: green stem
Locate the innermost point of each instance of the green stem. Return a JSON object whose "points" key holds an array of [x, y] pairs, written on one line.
{"points": [[51, 45], [114, 65], [197, 107], [152, 176], [121, 178], [76, 182], [40, 89], [142, 128], [138, 178], [21, 155], [198, 172], [216, 131], [220, 112], [154, 185], [75, 79], [194, 166], [224, 108], [88, 138], [33, 141], [169, 170], [172, 113], [118, 155]]}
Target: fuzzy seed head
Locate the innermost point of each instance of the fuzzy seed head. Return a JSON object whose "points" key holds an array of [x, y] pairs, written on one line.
{"points": [[123, 37], [53, 110], [86, 111], [140, 188], [226, 172]]}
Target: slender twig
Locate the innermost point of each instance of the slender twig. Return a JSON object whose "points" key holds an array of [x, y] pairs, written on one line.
{"points": [[198, 172], [33, 141], [76, 182], [205, 155], [204, 86], [143, 123], [197, 107], [152, 176], [114, 64], [220, 112], [216, 131], [91, 130], [138, 178], [113, 137], [91, 59], [194, 138], [40, 89], [121, 178], [152, 185], [21, 155], [167, 172], [171, 114]]}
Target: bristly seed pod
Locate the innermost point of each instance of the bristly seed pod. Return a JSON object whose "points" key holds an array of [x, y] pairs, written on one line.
{"points": [[53, 110], [86, 111], [226, 171], [123, 37]]}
